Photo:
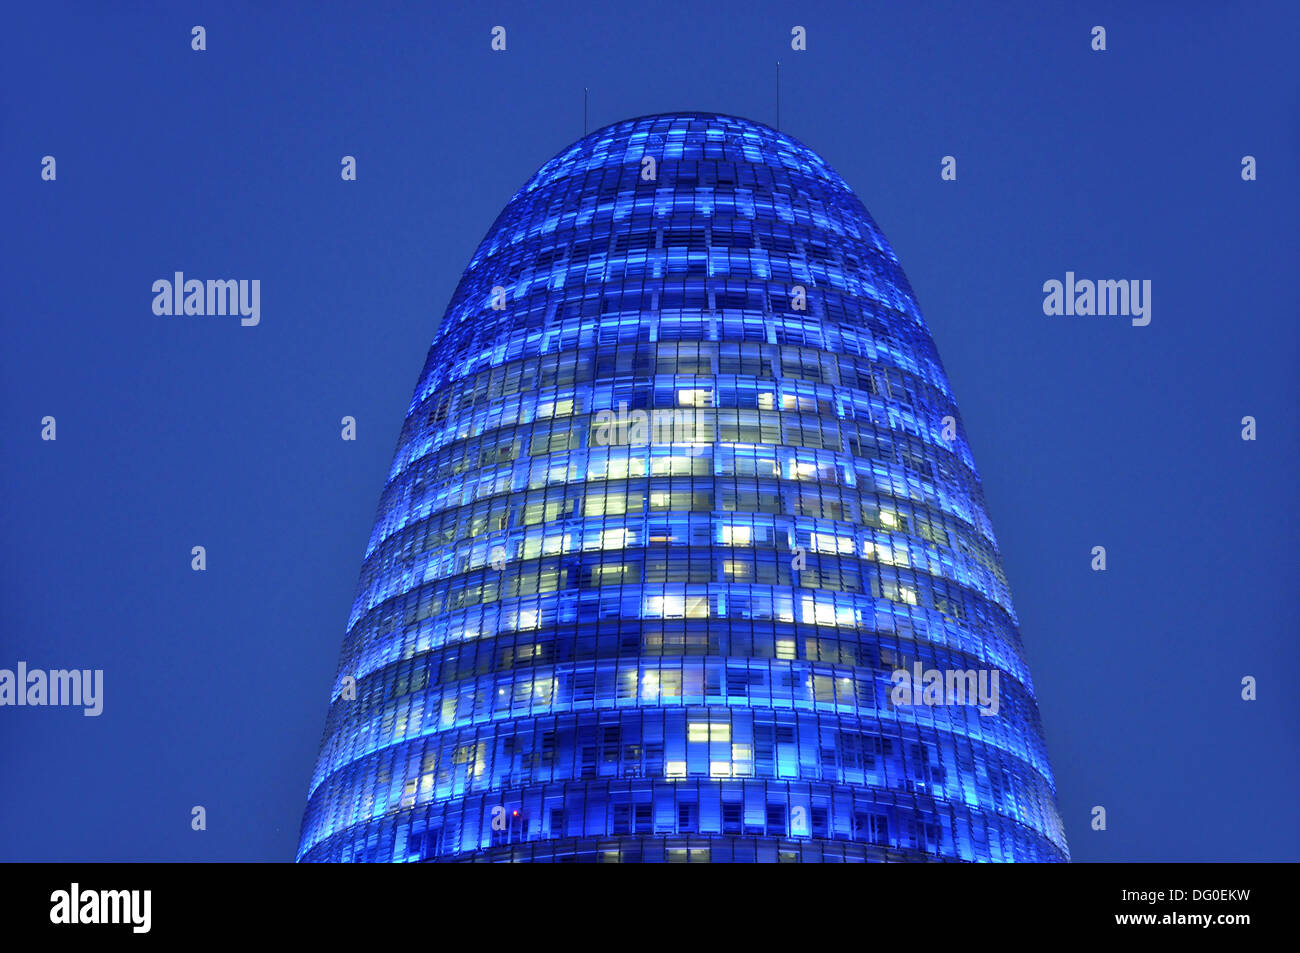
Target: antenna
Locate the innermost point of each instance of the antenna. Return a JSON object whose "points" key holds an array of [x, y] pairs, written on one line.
{"points": [[584, 110]]}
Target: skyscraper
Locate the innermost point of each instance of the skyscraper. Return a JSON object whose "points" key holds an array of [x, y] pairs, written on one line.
{"points": [[683, 555]]}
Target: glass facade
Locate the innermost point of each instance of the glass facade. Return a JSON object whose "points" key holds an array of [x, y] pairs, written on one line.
{"points": [[681, 488]]}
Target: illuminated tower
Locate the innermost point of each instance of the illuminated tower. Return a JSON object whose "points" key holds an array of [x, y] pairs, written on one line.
{"points": [[680, 488]]}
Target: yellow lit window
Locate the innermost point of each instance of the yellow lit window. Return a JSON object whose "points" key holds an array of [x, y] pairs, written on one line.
{"points": [[697, 397], [614, 539], [610, 575], [697, 607], [832, 543], [736, 570], [736, 535], [668, 607]]}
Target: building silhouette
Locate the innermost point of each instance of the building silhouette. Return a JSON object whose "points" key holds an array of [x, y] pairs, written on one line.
{"points": [[681, 488]]}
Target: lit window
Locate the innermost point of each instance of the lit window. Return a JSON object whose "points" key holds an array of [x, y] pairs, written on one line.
{"points": [[614, 539], [737, 571], [832, 543], [697, 397], [610, 575], [736, 535]]}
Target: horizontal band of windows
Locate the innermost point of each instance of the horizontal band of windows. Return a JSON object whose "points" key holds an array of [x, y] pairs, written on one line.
{"points": [[372, 647], [811, 744]]}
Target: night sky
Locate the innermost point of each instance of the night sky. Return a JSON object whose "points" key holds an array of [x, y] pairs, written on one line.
{"points": [[174, 432]]}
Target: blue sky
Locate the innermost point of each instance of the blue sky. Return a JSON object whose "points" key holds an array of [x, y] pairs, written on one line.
{"points": [[175, 432]]}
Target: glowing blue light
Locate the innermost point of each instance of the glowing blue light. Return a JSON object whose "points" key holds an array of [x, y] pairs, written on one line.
{"points": [[567, 648]]}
